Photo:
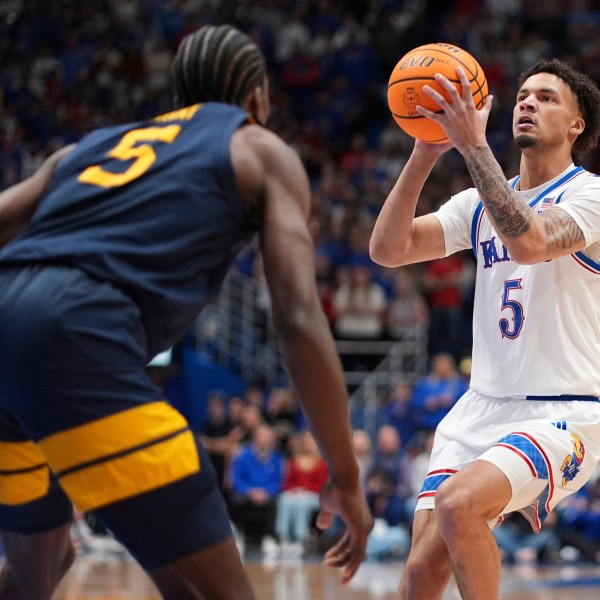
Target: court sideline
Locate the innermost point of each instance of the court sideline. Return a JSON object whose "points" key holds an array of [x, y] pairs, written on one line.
{"points": [[111, 578]]}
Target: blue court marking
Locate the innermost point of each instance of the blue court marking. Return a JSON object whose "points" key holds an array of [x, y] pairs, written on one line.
{"points": [[566, 583]]}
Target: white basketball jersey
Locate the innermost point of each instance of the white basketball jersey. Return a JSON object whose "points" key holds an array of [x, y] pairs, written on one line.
{"points": [[536, 328]]}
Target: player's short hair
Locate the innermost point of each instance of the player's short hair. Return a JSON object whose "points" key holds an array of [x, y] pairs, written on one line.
{"points": [[217, 64], [588, 99]]}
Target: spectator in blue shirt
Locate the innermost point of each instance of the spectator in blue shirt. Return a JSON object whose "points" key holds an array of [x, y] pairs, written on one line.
{"points": [[436, 394], [579, 523], [387, 480], [256, 480]]}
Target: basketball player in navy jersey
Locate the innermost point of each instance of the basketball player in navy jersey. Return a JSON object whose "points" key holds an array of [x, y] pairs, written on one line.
{"points": [[130, 235]]}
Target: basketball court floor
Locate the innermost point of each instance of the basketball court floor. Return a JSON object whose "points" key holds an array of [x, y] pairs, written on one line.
{"points": [[94, 578]]}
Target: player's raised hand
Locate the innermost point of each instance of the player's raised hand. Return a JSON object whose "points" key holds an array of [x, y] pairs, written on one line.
{"points": [[463, 123], [351, 506], [435, 150]]}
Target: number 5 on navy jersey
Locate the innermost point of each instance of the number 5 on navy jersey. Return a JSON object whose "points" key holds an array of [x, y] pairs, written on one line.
{"points": [[143, 155]]}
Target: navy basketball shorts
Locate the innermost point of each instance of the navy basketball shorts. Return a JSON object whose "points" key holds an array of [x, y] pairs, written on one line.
{"points": [[81, 422]]}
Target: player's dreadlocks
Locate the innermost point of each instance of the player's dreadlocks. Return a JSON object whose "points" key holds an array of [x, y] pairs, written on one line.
{"points": [[218, 64], [588, 99]]}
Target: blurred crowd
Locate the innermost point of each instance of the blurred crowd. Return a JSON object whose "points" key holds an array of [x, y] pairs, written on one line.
{"points": [[69, 66]]}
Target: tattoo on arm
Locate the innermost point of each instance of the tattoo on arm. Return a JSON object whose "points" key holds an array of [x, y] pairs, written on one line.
{"points": [[511, 214], [561, 230]]}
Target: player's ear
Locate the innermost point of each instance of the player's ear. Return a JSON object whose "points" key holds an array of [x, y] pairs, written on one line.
{"points": [[577, 126], [249, 103], [252, 104], [257, 103]]}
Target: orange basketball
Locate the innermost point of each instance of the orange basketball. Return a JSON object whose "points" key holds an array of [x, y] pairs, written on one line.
{"points": [[418, 68]]}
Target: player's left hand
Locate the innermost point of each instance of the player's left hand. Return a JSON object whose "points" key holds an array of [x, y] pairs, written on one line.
{"points": [[463, 123], [350, 504]]}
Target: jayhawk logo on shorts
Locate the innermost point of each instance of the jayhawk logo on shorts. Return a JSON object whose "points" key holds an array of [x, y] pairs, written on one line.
{"points": [[572, 463]]}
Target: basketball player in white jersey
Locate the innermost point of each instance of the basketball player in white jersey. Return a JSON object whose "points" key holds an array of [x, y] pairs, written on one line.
{"points": [[527, 433]]}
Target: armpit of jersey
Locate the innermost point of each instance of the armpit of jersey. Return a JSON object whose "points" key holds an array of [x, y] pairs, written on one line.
{"points": [[455, 216], [592, 252]]}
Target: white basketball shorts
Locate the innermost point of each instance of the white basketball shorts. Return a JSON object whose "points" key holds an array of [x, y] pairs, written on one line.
{"points": [[547, 447]]}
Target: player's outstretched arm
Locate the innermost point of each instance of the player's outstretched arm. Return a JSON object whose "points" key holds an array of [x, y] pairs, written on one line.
{"points": [[18, 202], [271, 176], [398, 238]]}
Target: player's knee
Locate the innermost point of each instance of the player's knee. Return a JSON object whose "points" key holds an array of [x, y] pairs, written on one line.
{"points": [[454, 507]]}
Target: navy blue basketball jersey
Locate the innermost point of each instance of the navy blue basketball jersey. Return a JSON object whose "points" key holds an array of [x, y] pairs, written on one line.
{"points": [[151, 207]]}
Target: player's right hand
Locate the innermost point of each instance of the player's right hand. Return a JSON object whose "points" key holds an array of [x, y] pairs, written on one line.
{"points": [[432, 149], [350, 504], [464, 124]]}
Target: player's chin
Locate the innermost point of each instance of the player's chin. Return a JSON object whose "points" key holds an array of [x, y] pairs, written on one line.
{"points": [[525, 140]]}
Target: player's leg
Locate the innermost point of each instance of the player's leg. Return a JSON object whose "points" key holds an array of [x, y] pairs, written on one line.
{"points": [[35, 518], [465, 504], [150, 482], [155, 490], [428, 567], [216, 572], [35, 563], [179, 531], [427, 570], [548, 457]]}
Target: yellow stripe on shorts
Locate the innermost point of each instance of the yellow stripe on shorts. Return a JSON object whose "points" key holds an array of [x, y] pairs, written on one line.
{"points": [[122, 455], [24, 474]]}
